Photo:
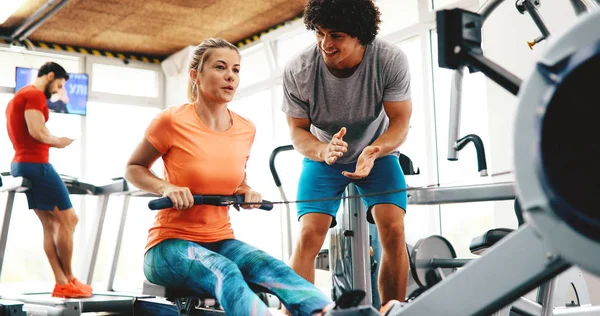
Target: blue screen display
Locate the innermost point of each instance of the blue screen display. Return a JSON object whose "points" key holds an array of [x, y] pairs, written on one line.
{"points": [[72, 99]]}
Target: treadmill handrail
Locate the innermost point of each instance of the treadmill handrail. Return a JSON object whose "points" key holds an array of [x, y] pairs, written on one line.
{"points": [[274, 154], [74, 185], [118, 185], [17, 184], [79, 187]]}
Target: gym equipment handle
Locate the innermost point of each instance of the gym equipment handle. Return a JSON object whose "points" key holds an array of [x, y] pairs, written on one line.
{"points": [[442, 263], [479, 149], [274, 154], [218, 200]]}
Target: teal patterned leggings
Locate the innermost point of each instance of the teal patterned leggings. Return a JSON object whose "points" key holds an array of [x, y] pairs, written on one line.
{"points": [[224, 270]]}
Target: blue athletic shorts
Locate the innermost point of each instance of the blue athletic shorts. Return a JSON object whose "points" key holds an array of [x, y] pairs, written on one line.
{"points": [[47, 189], [319, 180]]}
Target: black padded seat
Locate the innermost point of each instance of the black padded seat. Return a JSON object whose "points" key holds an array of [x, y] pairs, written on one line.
{"points": [[185, 300], [407, 166], [150, 288], [173, 294], [485, 241]]}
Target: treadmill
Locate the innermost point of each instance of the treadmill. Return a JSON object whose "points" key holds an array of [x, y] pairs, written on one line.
{"points": [[143, 304], [12, 185], [9, 307], [116, 251], [103, 192], [42, 302]]}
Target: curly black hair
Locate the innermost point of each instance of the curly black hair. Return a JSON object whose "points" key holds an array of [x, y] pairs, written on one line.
{"points": [[357, 18]]}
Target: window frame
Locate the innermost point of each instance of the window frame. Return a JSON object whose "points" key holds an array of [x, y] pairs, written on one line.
{"points": [[104, 97]]}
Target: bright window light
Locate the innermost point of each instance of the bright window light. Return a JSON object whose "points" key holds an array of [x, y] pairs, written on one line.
{"points": [[7, 8]]}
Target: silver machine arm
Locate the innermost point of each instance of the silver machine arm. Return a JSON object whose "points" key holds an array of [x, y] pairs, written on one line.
{"points": [[454, 144], [530, 6], [556, 171]]}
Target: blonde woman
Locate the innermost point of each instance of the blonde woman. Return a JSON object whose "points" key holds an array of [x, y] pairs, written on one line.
{"points": [[204, 147]]}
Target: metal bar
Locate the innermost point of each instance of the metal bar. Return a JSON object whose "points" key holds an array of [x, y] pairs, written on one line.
{"points": [[536, 17], [139, 193], [361, 264], [489, 7], [10, 200], [588, 310], [94, 241], [272, 167], [546, 297], [526, 307], [455, 111], [41, 10], [286, 218], [442, 263], [26, 29], [456, 90], [286, 244], [462, 194], [501, 76], [523, 258], [117, 250], [479, 150]]}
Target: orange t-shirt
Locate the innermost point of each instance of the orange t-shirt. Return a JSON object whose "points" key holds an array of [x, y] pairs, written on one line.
{"points": [[205, 161], [27, 148]]}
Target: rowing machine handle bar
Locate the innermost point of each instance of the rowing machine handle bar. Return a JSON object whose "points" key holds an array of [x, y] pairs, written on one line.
{"points": [[219, 200]]}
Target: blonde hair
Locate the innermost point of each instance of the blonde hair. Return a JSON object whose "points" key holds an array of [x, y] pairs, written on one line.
{"points": [[199, 56]]}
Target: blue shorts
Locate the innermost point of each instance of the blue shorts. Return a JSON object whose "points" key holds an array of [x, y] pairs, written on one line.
{"points": [[47, 189], [319, 180]]}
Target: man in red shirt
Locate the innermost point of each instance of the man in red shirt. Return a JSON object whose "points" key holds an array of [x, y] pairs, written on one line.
{"points": [[26, 117]]}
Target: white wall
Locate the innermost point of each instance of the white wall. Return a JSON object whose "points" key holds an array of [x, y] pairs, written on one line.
{"points": [[176, 77], [505, 35]]}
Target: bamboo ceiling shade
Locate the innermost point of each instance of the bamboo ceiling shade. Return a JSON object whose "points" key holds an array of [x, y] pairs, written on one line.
{"points": [[153, 27]]}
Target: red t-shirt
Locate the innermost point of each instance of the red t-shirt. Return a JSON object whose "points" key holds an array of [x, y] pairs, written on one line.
{"points": [[27, 149]]}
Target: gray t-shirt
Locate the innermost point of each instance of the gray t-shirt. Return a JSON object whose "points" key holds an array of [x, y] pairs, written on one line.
{"points": [[356, 102]]}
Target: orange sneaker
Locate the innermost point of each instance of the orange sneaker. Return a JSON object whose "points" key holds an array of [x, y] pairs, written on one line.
{"points": [[69, 290], [80, 285]]}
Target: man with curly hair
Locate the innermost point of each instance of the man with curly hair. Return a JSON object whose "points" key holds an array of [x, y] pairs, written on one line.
{"points": [[347, 101]]}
